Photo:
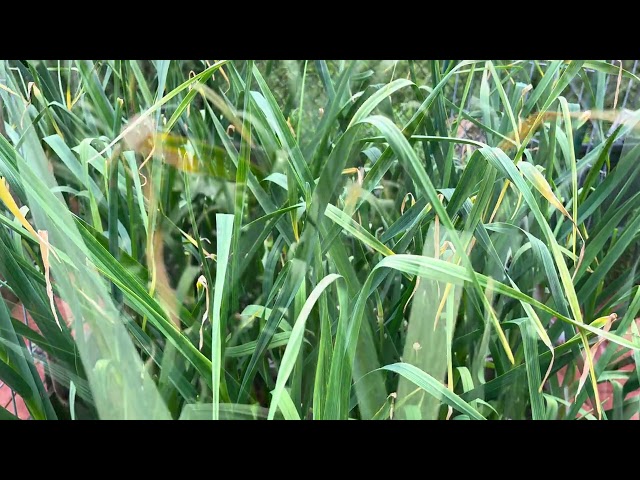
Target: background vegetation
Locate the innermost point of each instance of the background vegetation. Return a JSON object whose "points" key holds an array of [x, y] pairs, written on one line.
{"points": [[319, 239]]}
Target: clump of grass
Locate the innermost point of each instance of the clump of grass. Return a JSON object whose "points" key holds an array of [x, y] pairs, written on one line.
{"points": [[318, 240]]}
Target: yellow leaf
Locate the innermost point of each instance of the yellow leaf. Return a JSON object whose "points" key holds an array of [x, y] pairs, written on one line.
{"points": [[43, 238], [8, 200], [202, 283], [602, 321], [193, 242], [7, 89], [540, 183]]}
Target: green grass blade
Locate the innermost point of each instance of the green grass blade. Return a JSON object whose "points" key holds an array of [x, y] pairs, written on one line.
{"points": [[224, 224], [295, 343], [434, 388]]}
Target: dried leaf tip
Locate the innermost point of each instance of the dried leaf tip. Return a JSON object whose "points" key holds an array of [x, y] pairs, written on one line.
{"points": [[43, 238], [202, 283]]}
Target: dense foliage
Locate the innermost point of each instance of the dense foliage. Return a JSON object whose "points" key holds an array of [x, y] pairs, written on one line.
{"points": [[326, 240]]}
